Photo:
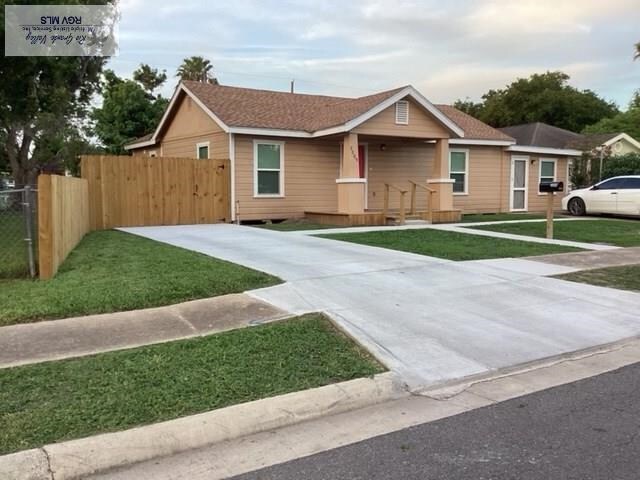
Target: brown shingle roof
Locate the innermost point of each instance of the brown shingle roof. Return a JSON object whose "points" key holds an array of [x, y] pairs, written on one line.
{"points": [[473, 128], [246, 107], [144, 138]]}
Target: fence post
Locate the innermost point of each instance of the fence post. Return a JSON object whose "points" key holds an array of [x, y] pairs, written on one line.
{"points": [[27, 208]]}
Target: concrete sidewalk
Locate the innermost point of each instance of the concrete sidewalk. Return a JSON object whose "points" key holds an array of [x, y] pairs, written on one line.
{"points": [[591, 260], [74, 337], [467, 228], [431, 321]]}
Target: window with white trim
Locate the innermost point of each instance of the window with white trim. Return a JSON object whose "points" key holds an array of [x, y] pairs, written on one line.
{"points": [[268, 161], [547, 171], [459, 170], [202, 150], [402, 112]]}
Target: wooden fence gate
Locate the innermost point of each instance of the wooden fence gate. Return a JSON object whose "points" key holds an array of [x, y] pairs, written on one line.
{"points": [[133, 191]]}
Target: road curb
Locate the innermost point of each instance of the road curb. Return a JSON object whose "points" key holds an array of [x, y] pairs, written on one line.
{"points": [[79, 458]]}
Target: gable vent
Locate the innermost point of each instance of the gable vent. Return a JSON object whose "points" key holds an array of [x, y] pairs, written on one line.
{"points": [[402, 112]]}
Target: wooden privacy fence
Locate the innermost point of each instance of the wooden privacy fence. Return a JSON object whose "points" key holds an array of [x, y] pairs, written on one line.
{"points": [[63, 219], [137, 191]]}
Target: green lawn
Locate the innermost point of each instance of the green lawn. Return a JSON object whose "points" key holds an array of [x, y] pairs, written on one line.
{"points": [[449, 245], [294, 226], [624, 278], [57, 401], [500, 217], [113, 271], [624, 233]]}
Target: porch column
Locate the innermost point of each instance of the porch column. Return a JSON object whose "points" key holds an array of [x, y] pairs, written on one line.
{"points": [[440, 180], [351, 187]]}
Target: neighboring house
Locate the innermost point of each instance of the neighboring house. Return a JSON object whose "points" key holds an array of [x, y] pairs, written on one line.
{"points": [[295, 153], [543, 135]]}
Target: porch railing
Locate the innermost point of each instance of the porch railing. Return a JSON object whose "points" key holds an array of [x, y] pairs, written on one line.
{"points": [[430, 192], [385, 208]]}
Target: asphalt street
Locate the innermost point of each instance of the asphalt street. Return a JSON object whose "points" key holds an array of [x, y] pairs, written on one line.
{"points": [[587, 430]]}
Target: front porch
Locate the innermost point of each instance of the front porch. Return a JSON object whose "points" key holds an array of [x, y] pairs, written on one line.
{"points": [[389, 179]]}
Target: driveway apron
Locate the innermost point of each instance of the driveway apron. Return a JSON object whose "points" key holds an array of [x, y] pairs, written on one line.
{"points": [[432, 321]]}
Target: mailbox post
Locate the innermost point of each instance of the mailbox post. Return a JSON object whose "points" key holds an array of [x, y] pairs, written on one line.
{"points": [[550, 188]]}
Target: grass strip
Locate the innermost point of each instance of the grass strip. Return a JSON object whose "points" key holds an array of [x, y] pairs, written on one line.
{"points": [[62, 400]]}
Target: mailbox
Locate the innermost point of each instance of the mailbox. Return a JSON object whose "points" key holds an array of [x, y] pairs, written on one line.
{"points": [[551, 187]]}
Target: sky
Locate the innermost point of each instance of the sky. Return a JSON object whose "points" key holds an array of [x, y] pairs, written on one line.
{"points": [[446, 49]]}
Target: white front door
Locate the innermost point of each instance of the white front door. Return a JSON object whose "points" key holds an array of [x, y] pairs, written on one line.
{"points": [[519, 180]]}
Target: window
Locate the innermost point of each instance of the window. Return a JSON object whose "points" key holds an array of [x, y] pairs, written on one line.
{"points": [[458, 170], [402, 112], [202, 150], [613, 184], [631, 184], [547, 170], [268, 160]]}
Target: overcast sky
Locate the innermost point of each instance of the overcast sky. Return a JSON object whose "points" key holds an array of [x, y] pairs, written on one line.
{"points": [[447, 49]]}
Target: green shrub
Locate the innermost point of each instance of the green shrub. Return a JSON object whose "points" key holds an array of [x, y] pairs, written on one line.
{"points": [[628, 164]]}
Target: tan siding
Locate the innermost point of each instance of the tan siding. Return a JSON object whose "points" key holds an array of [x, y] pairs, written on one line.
{"points": [[486, 182], [398, 164], [421, 124], [189, 126], [310, 172], [537, 202]]}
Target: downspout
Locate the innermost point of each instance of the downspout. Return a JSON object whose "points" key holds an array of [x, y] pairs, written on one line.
{"points": [[232, 165]]}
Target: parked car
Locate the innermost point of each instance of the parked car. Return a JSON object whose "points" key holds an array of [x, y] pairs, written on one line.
{"points": [[617, 195]]}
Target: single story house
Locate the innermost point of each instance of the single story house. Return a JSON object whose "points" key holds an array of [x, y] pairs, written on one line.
{"points": [[294, 154], [544, 135]]}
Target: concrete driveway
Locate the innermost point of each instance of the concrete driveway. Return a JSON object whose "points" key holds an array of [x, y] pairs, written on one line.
{"points": [[430, 320]]}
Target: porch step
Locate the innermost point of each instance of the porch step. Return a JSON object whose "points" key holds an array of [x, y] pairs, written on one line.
{"points": [[408, 221]]}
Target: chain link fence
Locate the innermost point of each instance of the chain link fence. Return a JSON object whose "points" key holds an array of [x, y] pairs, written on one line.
{"points": [[18, 232]]}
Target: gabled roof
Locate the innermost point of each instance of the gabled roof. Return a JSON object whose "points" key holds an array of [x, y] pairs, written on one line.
{"points": [[264, 112], [473, 128], [246, 107], [141, 139], [592, 140], [541, 135]]}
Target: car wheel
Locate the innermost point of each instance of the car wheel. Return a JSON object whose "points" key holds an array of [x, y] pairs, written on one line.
{"points": [[577, 207]]}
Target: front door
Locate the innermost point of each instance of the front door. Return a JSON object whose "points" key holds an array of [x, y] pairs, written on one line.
{"points": [[519, 179], [362, 168]]}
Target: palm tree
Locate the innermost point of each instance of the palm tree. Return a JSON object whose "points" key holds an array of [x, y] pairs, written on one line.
{"points": [[637, 55], [198, 69]]}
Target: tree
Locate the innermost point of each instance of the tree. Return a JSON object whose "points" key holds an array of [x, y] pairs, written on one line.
{"points": [[35, 90], [149, 77], [469, 106], [545, 97], [127, 112], [627, 122], [197, 69], [637, 54], [628, 164]]}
